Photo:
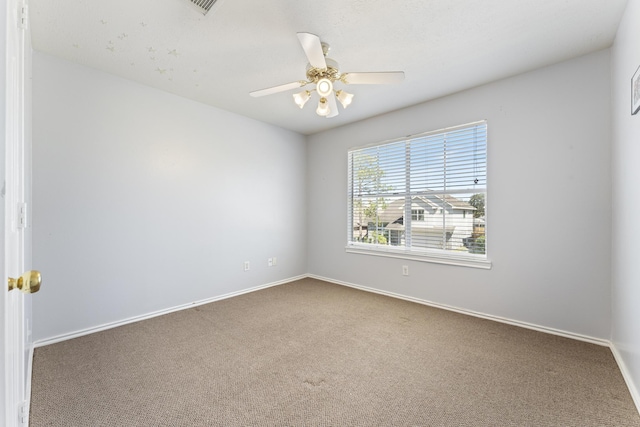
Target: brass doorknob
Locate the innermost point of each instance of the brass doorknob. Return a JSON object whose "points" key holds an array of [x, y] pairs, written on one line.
{"points": [[28, 283]]}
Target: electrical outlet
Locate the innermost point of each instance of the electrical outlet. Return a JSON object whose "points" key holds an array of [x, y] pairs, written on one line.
{"points": [[246, 266], [270, 262], [405, 270]]}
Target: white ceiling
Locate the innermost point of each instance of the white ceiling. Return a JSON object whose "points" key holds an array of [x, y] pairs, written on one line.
{"points": [[443, 46]]}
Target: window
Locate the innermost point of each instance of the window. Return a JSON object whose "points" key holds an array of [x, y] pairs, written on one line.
{"points": [[417, 214], [421, 197]]}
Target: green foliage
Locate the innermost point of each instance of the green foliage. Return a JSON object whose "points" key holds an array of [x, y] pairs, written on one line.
{"points": [[368, 185], [478, 245], [373, 238], [377, 238], [477, 201]]}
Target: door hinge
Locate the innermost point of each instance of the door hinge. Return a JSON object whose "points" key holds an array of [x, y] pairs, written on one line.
{"points": [[23, 17], [23, 413], [22, 215]]}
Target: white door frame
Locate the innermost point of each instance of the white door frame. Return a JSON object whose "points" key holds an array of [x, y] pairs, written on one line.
{"points": [[15, 323]]}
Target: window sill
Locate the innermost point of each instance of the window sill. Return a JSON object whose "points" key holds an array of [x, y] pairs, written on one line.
{"points": [[448, 259]]}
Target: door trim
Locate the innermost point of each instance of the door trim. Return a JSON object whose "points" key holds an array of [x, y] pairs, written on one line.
{"points": [[16, 345]]}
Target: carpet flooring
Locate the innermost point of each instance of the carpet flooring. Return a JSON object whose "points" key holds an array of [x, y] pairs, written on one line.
{"points": [[311, 353]]}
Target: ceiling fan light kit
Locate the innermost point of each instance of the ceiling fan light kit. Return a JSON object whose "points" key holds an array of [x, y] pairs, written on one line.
{"points": [[324, 73], [323, 109], [301, 98], [324, 87], [344, 98]]}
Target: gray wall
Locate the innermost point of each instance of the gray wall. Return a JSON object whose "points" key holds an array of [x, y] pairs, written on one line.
{"points": [[549, 204], [144, 201], [625, 331]]}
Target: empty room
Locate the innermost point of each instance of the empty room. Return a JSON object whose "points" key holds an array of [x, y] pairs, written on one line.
{"points": [[342, 213]]}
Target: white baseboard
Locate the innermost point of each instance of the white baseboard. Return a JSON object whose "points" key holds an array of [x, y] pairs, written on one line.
{"points": [[633, 390], [103, 327], [635, 393], [87, 331], [521, 324]]}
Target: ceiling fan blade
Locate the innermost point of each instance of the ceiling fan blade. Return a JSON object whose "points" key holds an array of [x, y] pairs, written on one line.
{"points": [[276, 89], [313, 49], [333, 106], [379, 78]]}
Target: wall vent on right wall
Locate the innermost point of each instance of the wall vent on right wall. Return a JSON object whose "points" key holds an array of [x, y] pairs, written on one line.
{"points": [[203, 6]]}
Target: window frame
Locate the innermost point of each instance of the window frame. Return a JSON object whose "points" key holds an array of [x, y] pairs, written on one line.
{"points": [[417, 214], [440, 256]]}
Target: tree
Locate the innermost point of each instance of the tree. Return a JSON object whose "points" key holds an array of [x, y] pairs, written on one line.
{"points": [[478, 245], [477, 201], [368, 182]]}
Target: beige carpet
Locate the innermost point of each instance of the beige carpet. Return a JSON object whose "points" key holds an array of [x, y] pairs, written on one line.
{"points": [[310, 353]]}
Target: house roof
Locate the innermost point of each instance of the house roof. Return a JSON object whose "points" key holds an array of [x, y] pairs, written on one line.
{"points": [[395, 210], [457, 203]]}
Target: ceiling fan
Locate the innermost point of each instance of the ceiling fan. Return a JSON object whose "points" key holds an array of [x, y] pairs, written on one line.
{"points": [[323, 72]]}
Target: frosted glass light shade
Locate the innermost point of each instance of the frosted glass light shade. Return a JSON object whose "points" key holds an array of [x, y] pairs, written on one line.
{"points": [[344, 98], [301, 98], [323, 108]]}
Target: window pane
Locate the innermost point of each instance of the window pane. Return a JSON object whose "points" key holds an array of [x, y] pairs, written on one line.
{"points": [[424, 193]]}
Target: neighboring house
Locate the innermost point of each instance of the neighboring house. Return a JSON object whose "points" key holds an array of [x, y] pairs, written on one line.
{"points": [[437, 222]]}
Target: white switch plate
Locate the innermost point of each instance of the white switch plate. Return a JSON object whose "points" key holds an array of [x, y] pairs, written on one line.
{"points": [[405, 270], [246, 266]]}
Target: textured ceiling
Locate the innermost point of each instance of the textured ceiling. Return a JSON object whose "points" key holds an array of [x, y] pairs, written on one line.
{"points": [[245, 45]]}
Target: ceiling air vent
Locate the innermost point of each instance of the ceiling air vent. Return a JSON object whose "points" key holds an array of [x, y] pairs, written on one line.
{"points": [[203, 6]]}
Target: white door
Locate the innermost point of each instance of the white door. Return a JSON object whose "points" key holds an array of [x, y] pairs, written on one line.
{"points": [[14, 167]]}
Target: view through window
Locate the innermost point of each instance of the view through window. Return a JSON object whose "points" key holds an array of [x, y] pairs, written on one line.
{"points": [[421, 195]]}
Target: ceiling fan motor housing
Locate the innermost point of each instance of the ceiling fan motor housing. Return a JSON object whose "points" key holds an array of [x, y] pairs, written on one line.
{"points": [[331, 72]]}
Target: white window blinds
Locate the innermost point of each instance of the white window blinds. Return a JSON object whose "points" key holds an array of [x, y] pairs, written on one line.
{"points": [[424, 194]]}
